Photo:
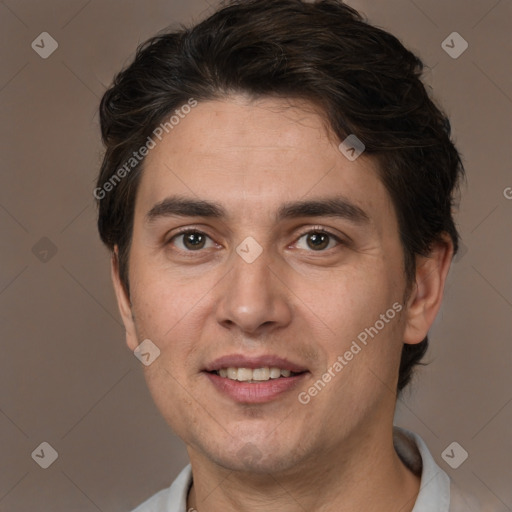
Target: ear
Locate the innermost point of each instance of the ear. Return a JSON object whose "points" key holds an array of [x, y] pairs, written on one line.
{"points": [[123, 302], [427, 291]]}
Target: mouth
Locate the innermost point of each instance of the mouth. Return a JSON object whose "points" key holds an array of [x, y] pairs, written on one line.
{"points": [[256, 375], [254, 380]]}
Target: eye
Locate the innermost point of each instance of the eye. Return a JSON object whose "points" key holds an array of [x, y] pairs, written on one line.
{"points": [[191, 240], [317, 241]]}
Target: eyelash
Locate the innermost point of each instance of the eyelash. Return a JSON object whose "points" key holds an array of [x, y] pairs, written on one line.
{"points": [[186, 231], [309, 231], [322, 231]]}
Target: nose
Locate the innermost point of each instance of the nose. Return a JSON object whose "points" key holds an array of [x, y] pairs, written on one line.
{"points": [[253, 299]]}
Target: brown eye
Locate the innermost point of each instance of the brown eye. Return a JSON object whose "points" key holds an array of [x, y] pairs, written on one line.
{"points": [[194, 241], [191, 241], [317, 241]]}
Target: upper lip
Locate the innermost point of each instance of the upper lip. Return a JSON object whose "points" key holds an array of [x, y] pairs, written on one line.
{"points": [[243, 361]]}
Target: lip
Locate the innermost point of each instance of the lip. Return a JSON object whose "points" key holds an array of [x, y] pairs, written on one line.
{"points": [[242, 361], [254, 393]]}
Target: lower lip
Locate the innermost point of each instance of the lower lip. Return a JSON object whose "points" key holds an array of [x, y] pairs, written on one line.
{"points": [[254, 393]]}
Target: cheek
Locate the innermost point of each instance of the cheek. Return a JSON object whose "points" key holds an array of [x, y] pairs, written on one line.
{"points": [[350, 298], [359, 310], [171, 314], [164, 301], [170, 394]]}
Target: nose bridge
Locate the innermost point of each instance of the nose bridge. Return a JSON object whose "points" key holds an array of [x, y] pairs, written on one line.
{"points": [[251, 296], [251, 284]]}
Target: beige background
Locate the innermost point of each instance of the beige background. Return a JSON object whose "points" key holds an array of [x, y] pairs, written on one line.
{"points": [[66, 375]]}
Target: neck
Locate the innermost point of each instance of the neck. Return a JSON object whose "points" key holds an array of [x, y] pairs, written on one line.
{"points": [[364, 473]]}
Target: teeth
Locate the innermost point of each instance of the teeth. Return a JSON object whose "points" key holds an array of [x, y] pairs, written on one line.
{"points": [[244, 374], [275, 373], [260, 374], [256, 375]]}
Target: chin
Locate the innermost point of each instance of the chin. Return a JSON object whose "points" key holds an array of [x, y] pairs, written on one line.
{"points": [[256, 458]]}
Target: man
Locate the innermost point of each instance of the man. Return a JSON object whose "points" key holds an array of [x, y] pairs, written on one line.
{"points": [[277, 195]]}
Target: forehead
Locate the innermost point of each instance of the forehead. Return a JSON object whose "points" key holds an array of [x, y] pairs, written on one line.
{"points": [[255, 155]]}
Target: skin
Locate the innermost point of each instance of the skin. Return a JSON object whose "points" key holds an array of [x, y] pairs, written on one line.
{"points": [[294, 301]]}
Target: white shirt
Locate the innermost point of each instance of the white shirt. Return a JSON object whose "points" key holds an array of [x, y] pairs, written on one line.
{"points": [[437, 491]]}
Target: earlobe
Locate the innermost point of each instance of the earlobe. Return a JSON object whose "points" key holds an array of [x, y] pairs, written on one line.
{"points": [[123, 302], [427, 292]]}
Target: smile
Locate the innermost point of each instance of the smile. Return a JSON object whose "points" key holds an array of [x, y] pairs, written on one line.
{"points": [[254, 375]]}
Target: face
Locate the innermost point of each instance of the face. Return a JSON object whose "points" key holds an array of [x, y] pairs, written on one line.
{"points": [[261, 252]]}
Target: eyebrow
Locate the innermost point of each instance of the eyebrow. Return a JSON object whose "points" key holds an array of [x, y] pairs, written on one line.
{"points": [[333, 207], [184, 207]]}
